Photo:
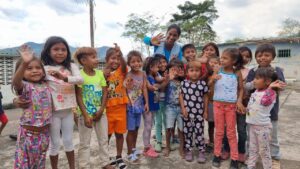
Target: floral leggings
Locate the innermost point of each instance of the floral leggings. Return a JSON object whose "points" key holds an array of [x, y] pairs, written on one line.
{"points": [[31, 149]]}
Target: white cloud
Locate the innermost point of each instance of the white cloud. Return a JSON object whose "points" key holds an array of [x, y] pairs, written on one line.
{"points": [[36, 20]]}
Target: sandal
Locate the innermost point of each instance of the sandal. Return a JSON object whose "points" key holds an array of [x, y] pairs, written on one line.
{"points": [[137, 152], [120, 163]]}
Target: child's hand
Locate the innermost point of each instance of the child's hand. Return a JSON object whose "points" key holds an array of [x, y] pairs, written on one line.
{"points": [[57, 75], [106, 71], [117, 48], [216, 77], [26, 53], [184, 113], [240, 108], [146, 107], [88, 122], [277, 84], [216, 68], [98, 115], [157, 39], [173, 73], [203, 59]]}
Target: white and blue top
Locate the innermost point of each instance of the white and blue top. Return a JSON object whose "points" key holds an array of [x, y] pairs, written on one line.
{"points": [[226, 87]]}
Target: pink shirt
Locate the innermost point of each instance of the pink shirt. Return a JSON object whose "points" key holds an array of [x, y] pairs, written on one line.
{"points": [[39, 113]]}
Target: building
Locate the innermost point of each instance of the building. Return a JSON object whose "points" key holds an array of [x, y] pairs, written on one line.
{"points": [[9, 57], [287, 54]]}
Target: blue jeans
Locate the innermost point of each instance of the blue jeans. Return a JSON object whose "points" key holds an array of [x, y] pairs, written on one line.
{"points": [[275, 148]]}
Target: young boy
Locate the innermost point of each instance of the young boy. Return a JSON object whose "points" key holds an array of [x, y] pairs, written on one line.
{"points": [[91, 97], [3, 117], [264, 55]]}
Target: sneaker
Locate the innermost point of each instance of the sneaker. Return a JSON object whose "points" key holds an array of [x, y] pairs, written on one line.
{"points": [[120, 163], [189, 156], [225, 155], [216, 162], [132, 159], [234, 164], [13, 137], [113, 161], [275, 164], [157, 147], [108, 167], [150, 153], [201, 158], [242, 158]]}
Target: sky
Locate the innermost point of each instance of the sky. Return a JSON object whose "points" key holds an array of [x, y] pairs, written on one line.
{"points": [[31, 20]]}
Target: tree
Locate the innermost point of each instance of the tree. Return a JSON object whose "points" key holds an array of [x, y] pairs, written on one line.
{"points": [[138, 26], [234, 40], [290, 28], [196, 21]]}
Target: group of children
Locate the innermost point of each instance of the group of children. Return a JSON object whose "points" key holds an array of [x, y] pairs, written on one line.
{"points": [[164, 90]]}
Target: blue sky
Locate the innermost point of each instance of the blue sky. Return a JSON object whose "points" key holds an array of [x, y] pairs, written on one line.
{"points": [[32, 20]]}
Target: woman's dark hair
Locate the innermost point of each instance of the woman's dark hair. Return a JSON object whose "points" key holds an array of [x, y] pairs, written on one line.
{"points": [[150, 62], [18, 64], [45, 55], [235, 55], [174, 26], [266, 47], [112, 51], [244, 49], [267, 73], [212, 45], [132, 54]]}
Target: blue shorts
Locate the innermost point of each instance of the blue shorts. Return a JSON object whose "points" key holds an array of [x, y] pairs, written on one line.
{"points": [[173, 114], [133, 119]]}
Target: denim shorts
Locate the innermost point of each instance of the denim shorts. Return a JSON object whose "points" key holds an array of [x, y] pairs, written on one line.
{"points": [[133, 119], [173, 113]]}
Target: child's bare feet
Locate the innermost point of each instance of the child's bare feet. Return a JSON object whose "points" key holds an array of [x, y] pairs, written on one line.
{"points": [[166, 152]]}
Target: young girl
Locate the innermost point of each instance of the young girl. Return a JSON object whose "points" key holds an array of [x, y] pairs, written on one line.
{"points": [[151, 71], [160, 115], [136, 85], [258, 116], [62, 76], [228, 93], [193, 101], [209, 50], [241, 118], [176, 75], [33, 136], [167, 46], [213, 65], [117, 100]]}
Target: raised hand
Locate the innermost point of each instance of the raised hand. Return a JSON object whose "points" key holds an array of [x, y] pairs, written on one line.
{"points": [[277, 84], [57, 75], [26, 53], [157, 39]]}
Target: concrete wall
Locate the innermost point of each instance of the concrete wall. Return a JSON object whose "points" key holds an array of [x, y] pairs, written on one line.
{"points": [[290, 65]]}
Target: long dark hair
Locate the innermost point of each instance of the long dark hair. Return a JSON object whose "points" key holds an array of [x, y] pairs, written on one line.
{"points": [[150, 62], [235, 55], [212, 45], [45, 55]]}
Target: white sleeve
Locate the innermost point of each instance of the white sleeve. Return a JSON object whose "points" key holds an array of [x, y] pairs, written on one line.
{"points": [[75, 78]]}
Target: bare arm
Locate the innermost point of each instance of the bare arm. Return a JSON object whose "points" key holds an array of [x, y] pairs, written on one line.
{"points": [[145, 93], [240, 107], [87, 119], [206, 106], [181, 102]]}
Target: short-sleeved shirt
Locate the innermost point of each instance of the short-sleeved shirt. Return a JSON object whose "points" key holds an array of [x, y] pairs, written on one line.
{"points": [[135, 95], [172, 93], [39, 112], [153, 96], [116, 91], [92, 91], [275, 109], [193, 96]]}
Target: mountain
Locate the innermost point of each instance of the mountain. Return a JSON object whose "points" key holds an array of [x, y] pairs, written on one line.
{"points": [[37, 48]]}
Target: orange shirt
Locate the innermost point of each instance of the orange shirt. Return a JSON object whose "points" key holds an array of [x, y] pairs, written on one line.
{"points": [[116, 91]]}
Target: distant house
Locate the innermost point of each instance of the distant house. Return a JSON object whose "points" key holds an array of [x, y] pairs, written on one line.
{"points": [[287, 53], [9, 57]]}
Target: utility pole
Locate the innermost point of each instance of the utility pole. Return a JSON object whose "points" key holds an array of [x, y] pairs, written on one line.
{"points": [[91, 2]]}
